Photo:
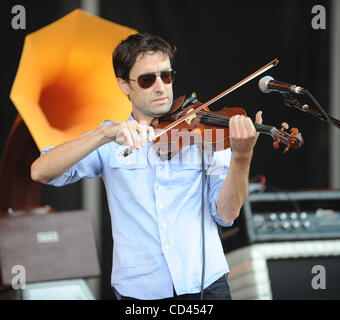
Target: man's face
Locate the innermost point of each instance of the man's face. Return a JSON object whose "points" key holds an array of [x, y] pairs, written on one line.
{"points": [[156, 100]]}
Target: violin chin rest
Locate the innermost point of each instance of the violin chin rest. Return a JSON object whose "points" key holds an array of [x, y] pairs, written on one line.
{"points": [[177, 103]]}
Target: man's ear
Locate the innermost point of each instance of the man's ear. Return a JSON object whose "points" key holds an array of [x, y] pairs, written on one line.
{"points": [[123, 86]]}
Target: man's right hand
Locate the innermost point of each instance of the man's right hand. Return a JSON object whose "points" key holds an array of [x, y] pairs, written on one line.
{"points": [[127, 133]]}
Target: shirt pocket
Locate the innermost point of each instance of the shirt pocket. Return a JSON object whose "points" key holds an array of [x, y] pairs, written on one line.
{"points": [[184, 175], [127, 177], [186, 167], [134, 161], [188, 160]]}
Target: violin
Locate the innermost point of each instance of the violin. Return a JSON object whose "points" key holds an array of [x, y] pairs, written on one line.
{"points": [[191, 122], [210, 128]]}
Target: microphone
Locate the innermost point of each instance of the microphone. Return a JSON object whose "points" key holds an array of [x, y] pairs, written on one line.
{"points": [[267, 84]]}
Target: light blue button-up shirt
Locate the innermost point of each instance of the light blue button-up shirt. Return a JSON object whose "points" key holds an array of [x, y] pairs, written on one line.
{"points": [[155, 209]]}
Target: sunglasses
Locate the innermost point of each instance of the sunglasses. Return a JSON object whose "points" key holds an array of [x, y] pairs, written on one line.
{"points": [[147, 80]]}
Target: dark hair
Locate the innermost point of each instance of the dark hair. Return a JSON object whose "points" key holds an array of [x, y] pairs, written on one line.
{"points": [[125, 54]]}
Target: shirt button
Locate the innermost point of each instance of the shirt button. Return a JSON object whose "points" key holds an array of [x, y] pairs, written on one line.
{"points": [[161, 206], [163, 225], [167, 248]]}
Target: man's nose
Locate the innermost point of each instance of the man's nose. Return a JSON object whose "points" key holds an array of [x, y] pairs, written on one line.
{"points": [[159, 85]]}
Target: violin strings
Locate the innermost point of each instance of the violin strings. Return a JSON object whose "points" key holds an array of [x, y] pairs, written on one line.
{"points": [[223, 119], [261, 128]]}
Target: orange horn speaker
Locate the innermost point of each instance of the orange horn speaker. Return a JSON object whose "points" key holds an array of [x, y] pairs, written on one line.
{"points": [[64, 87]]}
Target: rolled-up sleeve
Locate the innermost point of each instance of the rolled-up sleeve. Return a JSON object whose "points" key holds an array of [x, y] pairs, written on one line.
{"points": [[89, 167], [216, 173]]}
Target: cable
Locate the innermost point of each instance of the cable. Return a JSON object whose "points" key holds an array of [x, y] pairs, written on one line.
{"points": [[294, 202], [203, 230]]}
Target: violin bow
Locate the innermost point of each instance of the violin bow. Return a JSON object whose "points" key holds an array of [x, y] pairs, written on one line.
{"points": [[255, 74]]}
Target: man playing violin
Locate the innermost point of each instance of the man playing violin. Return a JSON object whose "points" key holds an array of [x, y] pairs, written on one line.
{"points": [[155, 205]]}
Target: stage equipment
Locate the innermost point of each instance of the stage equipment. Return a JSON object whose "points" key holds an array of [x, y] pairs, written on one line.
{"points": [[75, 289], [285, 216], [49, 245], [267, 85], [64, 87], [285, 271]]}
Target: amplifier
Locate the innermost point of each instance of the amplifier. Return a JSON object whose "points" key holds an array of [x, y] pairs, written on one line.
{"points": [[47, 246], [285, 271], [285, 216]]}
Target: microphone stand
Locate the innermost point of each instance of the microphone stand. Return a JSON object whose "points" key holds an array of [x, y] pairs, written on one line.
{"points": [[290, 101]]}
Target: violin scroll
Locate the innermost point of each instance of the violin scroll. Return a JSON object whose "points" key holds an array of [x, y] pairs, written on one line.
{"points": [[293, 139]]}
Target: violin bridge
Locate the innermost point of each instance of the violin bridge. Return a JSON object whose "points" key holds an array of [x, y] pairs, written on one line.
{"points": [[190, 118]]}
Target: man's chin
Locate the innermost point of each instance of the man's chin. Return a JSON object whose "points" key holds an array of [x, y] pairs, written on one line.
{"points": [[158, 112]]}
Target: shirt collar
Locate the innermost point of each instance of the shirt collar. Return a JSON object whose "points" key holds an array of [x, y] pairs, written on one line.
{"points": [[131, 117]]}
